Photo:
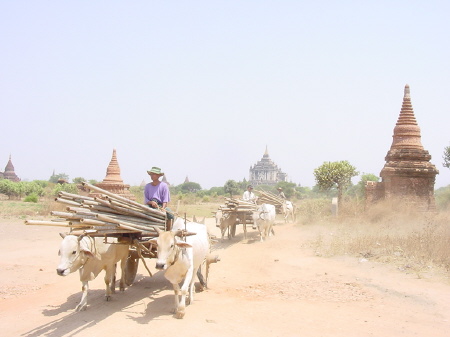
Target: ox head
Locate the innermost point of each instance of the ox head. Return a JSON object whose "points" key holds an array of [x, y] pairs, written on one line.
{"points": [[168, 247], [74, 252]]}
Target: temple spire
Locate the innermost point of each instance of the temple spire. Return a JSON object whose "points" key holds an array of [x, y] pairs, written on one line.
{"points": [[266, 153], [113, 170], [407, 131]]}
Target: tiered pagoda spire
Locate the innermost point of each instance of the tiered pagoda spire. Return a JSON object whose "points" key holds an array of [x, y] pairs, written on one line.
{"points": [[113, 181]]}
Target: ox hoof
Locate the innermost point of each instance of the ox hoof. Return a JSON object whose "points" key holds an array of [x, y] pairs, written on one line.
{"points": [[108, 298], [179, 314], [81, 307]]}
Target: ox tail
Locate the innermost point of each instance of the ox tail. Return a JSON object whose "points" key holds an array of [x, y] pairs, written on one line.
{"points": [[208, 260]]}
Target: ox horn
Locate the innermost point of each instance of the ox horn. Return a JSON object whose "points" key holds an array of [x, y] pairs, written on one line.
{"points": [[182, 233], [157, 230], [260, 215]]}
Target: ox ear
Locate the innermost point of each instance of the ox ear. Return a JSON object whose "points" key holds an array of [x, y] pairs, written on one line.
{"points": [[87, 253], [183, 244], [153, 241], [63, 235]]}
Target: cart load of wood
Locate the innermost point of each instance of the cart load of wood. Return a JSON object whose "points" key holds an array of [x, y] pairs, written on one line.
{"points": [[243, 209], [107, 215], [270, 198]]}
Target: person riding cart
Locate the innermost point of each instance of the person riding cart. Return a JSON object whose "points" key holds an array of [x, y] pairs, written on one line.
{"points": [[157, 194]]}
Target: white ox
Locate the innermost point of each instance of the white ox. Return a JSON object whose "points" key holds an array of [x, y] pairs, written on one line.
{"points": [[228, 223], [218, 215], [264, 218], [182, 259], [90, 256], [288, 211]]}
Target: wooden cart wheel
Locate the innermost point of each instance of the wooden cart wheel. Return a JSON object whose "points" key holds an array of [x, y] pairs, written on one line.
{"points": [[131, 267]]}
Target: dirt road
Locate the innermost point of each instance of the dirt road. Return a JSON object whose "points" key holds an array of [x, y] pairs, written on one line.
{"points": [[275, 288]]}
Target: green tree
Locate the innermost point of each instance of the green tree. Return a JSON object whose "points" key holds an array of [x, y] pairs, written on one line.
{"points": [[446, 157], [337, 174], [360, 189], [69, 188], [231, 187], [288, 189], [60, 176], [215, 191], [78, 180], [9, 188], [190, 187], [42, 183]]}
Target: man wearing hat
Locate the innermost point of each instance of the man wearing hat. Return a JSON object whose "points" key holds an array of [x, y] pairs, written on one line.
{"points": [[281, 193], [156, 193]]}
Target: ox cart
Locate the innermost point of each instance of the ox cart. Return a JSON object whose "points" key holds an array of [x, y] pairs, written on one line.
{"points": [[239, 212], [109, 215], [235, 212]]}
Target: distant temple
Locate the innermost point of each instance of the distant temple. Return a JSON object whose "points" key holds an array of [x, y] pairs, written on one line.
{"points": [[9, 172], [113, 182], [266, 172], [408, 175]]}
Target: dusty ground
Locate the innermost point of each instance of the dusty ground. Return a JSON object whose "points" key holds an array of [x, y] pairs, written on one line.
{"points": [[276, 288]]}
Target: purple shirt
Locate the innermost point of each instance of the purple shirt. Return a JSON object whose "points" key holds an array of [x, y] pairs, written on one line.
{"points": [[159, 192]]}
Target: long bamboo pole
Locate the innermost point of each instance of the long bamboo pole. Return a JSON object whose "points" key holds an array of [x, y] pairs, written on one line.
{"points": [[68, 202], [114, 196], [74, 196], [47, 223], [124, 210], [129, 224]]}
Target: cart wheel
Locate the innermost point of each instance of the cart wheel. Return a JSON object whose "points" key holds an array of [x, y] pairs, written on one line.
{"points": [[131, 267]]}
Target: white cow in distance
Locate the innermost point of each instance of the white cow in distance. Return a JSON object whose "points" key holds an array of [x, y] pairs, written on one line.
{"points": [[90, 256], [264, 219], [288, 211], [182, 259]]}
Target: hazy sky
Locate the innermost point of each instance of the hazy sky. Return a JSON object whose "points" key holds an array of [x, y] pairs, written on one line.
{"points": [[200, 88]]}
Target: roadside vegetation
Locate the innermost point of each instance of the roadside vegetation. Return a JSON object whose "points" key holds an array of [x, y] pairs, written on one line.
{"points": [[415, 242]]}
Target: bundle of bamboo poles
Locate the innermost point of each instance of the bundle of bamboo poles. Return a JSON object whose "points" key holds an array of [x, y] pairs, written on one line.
{"points": [[237, 205], [243, 209], [107, 215], [270, 198]]}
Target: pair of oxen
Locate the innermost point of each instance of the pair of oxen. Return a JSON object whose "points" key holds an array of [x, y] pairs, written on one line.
{"points": [[181, 260]]}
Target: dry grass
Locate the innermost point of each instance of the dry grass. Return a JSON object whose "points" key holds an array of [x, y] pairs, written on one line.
{"points": [[417, 242], [23, 210]]}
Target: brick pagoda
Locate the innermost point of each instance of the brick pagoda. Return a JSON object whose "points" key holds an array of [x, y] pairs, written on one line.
{"points": [[9, 173], [408, 175], [113, 182]]}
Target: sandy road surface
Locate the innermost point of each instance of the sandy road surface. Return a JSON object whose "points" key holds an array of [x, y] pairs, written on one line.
{"points": [[276, 288]]}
